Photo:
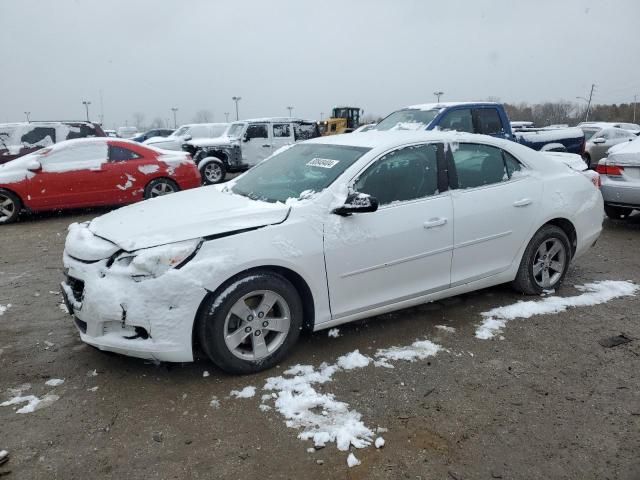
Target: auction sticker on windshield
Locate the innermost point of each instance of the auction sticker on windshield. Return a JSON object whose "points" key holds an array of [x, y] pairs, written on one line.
{"points": [[323, 163]]}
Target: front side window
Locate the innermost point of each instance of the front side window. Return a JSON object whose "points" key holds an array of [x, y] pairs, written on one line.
{"points": [[303, 168], [459, 120], [74, 157], [121, 154], [257, 130], [405, 174], [408, 119], [281, 130], [488, 121], [478, 165], [235, 130]]}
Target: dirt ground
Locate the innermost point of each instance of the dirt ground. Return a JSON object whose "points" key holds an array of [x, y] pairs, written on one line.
{"points": [[547, 402]]}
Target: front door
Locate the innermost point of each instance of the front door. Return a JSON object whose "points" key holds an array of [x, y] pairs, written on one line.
{"points": [[401, 251], [494, 200], [256, 144]]}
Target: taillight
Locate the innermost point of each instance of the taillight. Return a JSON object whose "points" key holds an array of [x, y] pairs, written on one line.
{"points": [[611, 170]]}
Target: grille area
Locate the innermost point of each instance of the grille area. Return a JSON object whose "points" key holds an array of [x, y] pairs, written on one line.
{"points": [[77, 287]]}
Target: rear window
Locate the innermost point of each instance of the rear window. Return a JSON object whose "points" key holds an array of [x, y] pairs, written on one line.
{"points": [[39, 136], [488, 121], [305, 130], [408, 119]]}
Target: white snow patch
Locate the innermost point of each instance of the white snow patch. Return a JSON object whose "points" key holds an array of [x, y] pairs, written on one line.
{"points": [[418, 350], [215, 403], [353, 360], [264, 408], [446, 328], [205, 374], [379, 443], [128, 184], [352, 461], [594, 294], [33, 403], [246, 392], [148, 169], [92, 373], [4, 308], [92, 389], [334, 332], [54, 382]]}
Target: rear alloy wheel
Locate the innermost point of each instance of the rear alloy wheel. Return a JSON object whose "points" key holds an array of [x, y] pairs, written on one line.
{"points": [[160, 187], [545, 261], [252, 324], [213, 171], [10, 206], [617, 213]]}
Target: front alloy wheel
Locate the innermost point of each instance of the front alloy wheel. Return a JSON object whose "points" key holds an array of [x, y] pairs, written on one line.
{"points": [[9, 206], [213, 172], [251, 322], [549, 263]]}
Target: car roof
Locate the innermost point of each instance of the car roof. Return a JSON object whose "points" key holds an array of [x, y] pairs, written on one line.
{"points": [[274, 120], [441, 105]]}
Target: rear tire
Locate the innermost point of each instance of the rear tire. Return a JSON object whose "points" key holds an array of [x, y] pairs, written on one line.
{"points": [[160, 187], [545, 261], [617, 213], [10, 206], [251, 324]]}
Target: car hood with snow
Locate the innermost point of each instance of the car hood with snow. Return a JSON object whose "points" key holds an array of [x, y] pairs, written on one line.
{"points": [[196, 213], [15, 170]]}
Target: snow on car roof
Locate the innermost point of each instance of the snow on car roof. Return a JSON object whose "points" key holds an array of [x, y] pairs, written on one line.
{"points": [[441, 105], [274, 119]]}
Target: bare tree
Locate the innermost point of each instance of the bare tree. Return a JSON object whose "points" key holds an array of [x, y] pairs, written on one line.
{"points": [[157, 123], [203, 116], [138, 120]]}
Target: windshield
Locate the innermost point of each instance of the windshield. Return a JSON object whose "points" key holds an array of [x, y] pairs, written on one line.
{"points": [[235, 130], [409, 119], [302, 168], [180, 132], [589, 132], [218, 130]]}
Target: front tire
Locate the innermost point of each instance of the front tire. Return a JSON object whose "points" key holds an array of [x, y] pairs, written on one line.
{"points": [[10, 206], [252, 324], [545, 261], [212, 170], [617, 213], [159, 187]]}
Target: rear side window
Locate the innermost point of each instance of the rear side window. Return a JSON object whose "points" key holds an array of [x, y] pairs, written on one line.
{"points": [[80, 131], [488, 121], [281, 130], [121, 154], [459, 120], [257, 130], [305, 131], [40, 136], [478, 165]]}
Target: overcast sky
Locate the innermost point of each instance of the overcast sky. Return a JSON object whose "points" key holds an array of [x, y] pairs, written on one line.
{"points": [[148, 56]]}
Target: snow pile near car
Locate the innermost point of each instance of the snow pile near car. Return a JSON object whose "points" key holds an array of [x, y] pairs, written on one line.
{"points": [[594, 294], [4, 308], [320, 416]]}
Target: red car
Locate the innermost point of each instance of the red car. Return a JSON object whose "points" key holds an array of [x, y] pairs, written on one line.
{"points": [[91, 172]]}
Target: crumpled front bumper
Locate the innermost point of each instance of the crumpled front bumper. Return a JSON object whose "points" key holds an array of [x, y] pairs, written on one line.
{"points": [[151, 319]]}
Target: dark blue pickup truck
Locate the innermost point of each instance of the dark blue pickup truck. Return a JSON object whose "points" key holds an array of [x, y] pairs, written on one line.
{"points": [[486, 118]]}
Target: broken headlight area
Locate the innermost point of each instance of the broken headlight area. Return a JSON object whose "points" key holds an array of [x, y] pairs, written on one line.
{"points": [[155, 261]]}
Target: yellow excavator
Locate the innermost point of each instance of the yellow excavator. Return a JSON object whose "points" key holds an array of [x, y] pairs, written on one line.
{"points": [[342, 120]]}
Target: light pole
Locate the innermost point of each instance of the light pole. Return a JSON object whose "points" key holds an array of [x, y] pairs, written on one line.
{"points": [[226, 117], [175, 120], [321, 115], [438, 94], [29, 113], [290, 110], [587, 102], [236, 99], [86, 104]]}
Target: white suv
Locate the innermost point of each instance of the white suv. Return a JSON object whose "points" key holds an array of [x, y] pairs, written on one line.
{"points": [[186, 133]]}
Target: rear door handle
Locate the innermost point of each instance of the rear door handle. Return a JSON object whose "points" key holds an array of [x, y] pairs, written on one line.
{"points": [[435, 222], [523, 203]]}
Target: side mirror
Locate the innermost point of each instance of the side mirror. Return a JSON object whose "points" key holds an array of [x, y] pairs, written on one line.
{"points": [[245, 137], [34, 166], [357, 203], [598, 140], [186, 138]]}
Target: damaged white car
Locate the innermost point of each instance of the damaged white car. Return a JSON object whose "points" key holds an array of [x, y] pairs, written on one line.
{"points": [[328, 231]]}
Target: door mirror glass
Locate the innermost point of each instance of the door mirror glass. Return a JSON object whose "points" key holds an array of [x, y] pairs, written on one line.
{"points": [[357, 203], [34, 166], [599, 140]]}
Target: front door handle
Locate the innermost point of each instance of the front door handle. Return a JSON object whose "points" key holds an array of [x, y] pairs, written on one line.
{"points": [[266, 145], [523, 202], [435, 222]]}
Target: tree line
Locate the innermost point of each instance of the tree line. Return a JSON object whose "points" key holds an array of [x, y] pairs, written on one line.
{"points": [[550, 113]]}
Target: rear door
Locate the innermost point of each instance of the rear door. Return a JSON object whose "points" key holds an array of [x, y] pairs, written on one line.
{"points": [[282, 134], [495, 202], [487, 121], [256, 144]]}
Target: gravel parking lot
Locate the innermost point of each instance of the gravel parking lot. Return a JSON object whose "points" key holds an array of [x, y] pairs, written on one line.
{"points": [[546, 401]]}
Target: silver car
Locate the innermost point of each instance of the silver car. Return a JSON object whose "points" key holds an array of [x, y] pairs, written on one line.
{"points": [[599, 139], [620, 178]]}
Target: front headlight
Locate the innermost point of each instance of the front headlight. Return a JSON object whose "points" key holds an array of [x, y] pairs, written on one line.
{"points": [[155, 261]]}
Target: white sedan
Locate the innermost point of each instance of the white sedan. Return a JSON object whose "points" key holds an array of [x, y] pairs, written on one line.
{"points": [[328, 231]]}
